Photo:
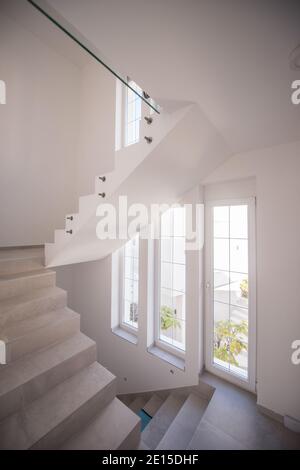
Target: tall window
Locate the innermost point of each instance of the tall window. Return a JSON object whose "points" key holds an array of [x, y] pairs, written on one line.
{"points": [[130, 283], [232, 293], [171, 291], [133, 114]]}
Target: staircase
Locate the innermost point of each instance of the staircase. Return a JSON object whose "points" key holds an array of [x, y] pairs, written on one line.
{"points": [[53, 392], [185, 148], [175, 415]]}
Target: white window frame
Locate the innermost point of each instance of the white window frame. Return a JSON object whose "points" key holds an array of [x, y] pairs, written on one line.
{"points": [[250, 383], [125, 113], [169, 348], [125, 326]]}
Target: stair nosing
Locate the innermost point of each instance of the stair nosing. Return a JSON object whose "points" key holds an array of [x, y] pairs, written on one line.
{"points": [[11, 277]]}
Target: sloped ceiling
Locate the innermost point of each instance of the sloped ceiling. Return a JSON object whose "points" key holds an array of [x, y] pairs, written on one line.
{"points": [[229, 56]]}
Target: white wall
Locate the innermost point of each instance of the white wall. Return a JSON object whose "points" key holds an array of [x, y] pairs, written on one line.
{"points": [[38, 128], [272, 174], [97, 125], [56, 133], [89, 288], [277, 172]]}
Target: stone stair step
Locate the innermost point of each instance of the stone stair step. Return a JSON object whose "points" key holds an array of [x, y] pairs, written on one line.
{"points": [[137, 404], [115, 427], [16, 260], [184, 424], [126, 399], [33, 303], [30, 377], [38, 332], [155, 430], [50, 420], [12, 285], [153, 405]]}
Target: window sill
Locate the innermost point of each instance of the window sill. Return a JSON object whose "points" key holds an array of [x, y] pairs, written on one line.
{"points": [[167, 357], [130, 337]]}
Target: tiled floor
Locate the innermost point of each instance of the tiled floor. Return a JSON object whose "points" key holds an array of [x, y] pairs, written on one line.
{"points": [[232, 420]]}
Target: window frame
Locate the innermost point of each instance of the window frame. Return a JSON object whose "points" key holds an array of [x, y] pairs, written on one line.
{"points": [[250, 382], [121, 268], [163, 345], [125, 113]]}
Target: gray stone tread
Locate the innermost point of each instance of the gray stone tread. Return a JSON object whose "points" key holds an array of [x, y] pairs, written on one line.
{"points": [[24, 429], [7, 304], [107, 431], [33, 365]]}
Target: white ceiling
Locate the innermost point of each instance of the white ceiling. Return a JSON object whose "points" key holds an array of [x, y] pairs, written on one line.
{"points": [[229, 56]]}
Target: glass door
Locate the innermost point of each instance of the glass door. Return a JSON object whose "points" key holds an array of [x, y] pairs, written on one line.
{"points": [[231, 291]]}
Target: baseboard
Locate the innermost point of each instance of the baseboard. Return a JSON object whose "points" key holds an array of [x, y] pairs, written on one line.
{"points": [[270, 413], [292, 423]]}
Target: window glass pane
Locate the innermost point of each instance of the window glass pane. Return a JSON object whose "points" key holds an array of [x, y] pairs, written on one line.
{"points": [[135, 247], [136, 269], [221, 286], [239, 256], [166, 249], [221, 322], [221, 311], [166, 328], [167, 224], [133, 115], [130, 133], [166, 298], [172, 330], [138, 109], [179, 334], [130, 282], [230, 293], [135, 291], [239, 340], [131, 112], [131, 95], [129, 289], [136, 131], [128, 267], [127, 311], [179, 250], [221, 254], [172, 278], [179, 277], [239, 221], [239, 289], [221, 221], [179, 222], [166, 275], [179, 305]]}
